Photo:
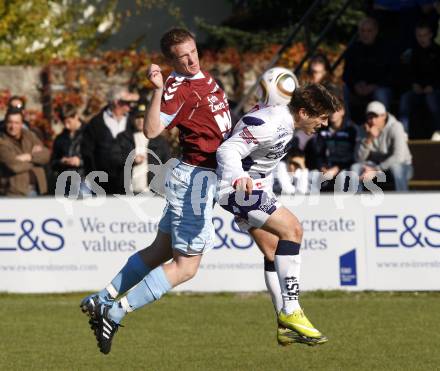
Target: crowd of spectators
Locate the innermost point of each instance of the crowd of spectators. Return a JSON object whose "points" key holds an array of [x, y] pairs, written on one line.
{"points": [[103, 145], [391, 91], [390, 87], [344, 152], [113, 138], [401, 73]]}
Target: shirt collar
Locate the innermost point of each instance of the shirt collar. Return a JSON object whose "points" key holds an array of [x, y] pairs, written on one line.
{"points": [[198, 75], [109, 112]]}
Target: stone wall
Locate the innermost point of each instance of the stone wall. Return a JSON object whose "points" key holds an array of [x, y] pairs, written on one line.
{"points": [[23, 81], [86, 81]]}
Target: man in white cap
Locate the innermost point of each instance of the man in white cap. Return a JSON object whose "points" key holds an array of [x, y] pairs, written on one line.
{"points": [[384, 148]]}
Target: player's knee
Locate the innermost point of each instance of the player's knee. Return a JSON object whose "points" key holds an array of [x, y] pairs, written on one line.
{"points": [[298, 230], [292, 232], [269, 253]]}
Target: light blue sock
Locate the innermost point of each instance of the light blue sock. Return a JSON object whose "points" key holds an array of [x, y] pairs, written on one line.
{"points": [[131, 273], [150, 289]]}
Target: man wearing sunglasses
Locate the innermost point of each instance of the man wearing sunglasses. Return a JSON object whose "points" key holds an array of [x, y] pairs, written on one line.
{"points": [[100, 134]]}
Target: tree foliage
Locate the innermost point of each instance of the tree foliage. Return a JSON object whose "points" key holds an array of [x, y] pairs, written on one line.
{"points": [[35, 31]]}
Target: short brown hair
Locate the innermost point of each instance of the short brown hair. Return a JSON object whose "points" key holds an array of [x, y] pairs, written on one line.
{"points": [[173, 37], [315, 99], [68, 110], [319, 59], [14, 111]]}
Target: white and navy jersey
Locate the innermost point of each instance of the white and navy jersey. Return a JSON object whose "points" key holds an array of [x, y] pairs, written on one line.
{"points": [[257, 144]]}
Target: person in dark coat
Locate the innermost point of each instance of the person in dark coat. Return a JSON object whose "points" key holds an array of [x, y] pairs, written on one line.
{"points": [[145, 153], [424, 77], [66, 151], [22, 158], [331, 150], [368, 70], [99, 138]]}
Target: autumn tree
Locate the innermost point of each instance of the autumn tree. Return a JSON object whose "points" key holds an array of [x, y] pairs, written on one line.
{"points": [[36, 31]]}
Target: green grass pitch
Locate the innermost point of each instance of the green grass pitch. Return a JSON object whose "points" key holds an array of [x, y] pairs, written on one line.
{"points": [[367, 331]]}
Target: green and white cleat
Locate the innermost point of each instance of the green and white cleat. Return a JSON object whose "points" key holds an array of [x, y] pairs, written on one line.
{"points": [[304, 331]]}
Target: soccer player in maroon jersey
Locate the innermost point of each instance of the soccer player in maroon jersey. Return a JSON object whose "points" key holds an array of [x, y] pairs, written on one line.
{"points": [[191, 100]]}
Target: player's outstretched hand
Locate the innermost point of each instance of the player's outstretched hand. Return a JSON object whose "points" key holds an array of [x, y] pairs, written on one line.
{"points": [[154, 74]]}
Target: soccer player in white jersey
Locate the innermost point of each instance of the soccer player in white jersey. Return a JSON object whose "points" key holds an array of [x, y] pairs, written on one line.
{"points": [[245, 164]]}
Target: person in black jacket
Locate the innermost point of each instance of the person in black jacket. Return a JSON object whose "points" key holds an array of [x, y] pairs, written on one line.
{"points": [[66, 151], [424, 77], [332, 149], [368, 70], [99, 139], [145, 153]]}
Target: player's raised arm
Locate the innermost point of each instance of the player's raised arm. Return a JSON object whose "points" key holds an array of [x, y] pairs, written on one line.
{"points": [[153, 126]]}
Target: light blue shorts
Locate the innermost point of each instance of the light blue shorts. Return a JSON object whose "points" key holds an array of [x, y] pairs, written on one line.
{"points": [[187, 217]]}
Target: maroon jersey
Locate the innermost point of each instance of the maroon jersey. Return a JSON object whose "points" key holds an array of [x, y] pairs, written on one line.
{"points": [[199, 108]]}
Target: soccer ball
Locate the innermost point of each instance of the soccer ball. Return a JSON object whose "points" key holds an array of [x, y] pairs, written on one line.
{"points": [[276, 86]]}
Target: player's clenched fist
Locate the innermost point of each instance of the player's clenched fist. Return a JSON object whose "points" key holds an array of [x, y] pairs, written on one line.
{"points": [[155, 76], [244, 185]]}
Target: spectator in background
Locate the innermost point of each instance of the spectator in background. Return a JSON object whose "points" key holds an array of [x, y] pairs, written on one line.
{"points": [[384, 148], [22, 156], [319, 71], [100, 134], [66, 151], [424, 77], [15, 103], [368, 70], [18, 103], [133, 139], [398, 19], [332, 149]]}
